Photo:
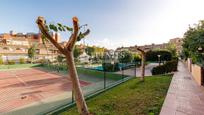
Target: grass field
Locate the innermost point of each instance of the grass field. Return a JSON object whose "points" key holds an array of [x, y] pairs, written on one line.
{"points": [[17, 66], [131, 98], [99, 74], [90, 73]]}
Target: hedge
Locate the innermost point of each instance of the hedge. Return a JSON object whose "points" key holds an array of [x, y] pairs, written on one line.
{"points": [[169, 66], [1, 61], [11, 62], [110, 67], [21, 60], [153, 55]]}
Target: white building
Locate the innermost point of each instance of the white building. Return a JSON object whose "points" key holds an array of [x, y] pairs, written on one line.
{"points": [[84, 58]]}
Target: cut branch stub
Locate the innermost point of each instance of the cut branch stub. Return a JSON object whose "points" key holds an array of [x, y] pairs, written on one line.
{"points": [[73, 37]]}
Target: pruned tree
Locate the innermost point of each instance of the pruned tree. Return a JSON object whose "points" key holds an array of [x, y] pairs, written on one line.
{"points": [[67, 50], [143, 62]]}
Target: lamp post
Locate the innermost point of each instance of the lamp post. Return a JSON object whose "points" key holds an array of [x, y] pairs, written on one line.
{"points": [[200, 50], [159, 59]]}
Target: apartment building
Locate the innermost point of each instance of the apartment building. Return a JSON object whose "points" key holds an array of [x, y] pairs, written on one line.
{"points": [[15, 45], [144, 47], [177, 42]]}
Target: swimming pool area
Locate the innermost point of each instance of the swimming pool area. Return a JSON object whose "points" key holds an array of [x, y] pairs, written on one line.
{"points": [[99, 68], [124, 66]]}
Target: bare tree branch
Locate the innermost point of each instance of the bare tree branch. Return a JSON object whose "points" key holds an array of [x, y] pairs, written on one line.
{"points": [[41, 24], [69, 42], [142, 51], [73, 38]]}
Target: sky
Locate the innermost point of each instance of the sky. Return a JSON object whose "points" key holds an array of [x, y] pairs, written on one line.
{"points": [[113, 23]]}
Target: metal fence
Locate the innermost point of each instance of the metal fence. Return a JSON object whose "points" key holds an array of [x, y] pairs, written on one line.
{"points": [[99, 85], [72, 103]]}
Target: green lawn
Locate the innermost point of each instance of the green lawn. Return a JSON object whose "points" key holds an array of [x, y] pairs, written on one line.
{"points": [[89, 72], [100, 74], [16, 66], [131, 98]]}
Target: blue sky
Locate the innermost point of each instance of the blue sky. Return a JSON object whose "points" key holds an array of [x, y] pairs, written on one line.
{"points": [[113, 23]]}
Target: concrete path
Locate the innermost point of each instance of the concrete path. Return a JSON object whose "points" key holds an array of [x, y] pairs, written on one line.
{"points": [[184, 96], [131, 72]]}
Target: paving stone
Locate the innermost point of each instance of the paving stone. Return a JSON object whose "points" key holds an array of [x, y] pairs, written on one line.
{"points": [[185, 96]]}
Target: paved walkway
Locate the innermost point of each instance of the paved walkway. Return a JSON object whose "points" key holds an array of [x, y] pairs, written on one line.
{"points": [[184, 96]]}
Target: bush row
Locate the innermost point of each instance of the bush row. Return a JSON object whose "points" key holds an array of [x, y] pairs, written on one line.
{"points": [[153, 55], [110, 67], [12, 62], [169, 66], [60, 66]]}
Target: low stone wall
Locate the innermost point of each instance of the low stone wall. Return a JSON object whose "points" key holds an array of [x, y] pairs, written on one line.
{"points": [[197, 73]]}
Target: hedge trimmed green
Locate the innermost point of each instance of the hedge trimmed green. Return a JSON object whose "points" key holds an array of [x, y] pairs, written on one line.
{"points": [[169, 66], [110, 67], [152, 55]]}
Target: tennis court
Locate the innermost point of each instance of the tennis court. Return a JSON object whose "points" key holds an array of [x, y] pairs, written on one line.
{"points": [[21, 88]]}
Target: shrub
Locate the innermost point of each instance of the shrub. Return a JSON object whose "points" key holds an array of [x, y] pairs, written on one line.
{"points": [[136, 58], [169, 66], [153, 55], [42, 61], [1, 61], [110, 67], [21, 60], [11, 62], [125, 56]]}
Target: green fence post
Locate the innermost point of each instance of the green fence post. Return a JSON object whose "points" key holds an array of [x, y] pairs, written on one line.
{"points": [[104, 76], [72, 96], [135, 69]]}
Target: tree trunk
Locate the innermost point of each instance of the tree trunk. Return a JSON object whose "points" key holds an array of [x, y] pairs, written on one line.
{"points": [[80, 101], [143, 67]]}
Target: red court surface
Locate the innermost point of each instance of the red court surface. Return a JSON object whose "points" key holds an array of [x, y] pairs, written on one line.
{"points": [[22, 87]]}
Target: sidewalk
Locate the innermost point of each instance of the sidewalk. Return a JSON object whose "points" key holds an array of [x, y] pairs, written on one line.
{"points": [[184, 96]]}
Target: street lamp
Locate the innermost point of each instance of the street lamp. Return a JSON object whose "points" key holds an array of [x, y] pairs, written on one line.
{"points": [[200, 50], [112, 62], [159, 58]]}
